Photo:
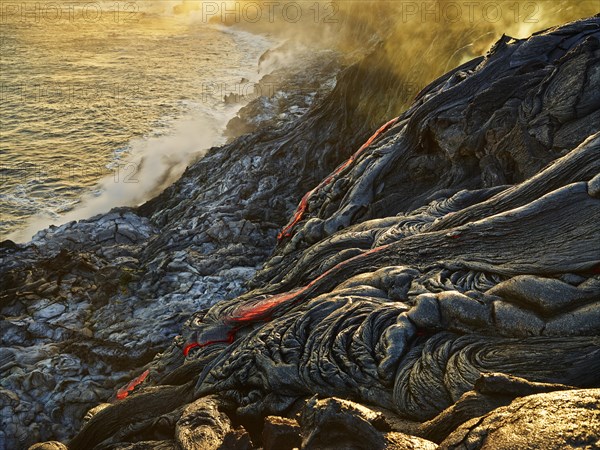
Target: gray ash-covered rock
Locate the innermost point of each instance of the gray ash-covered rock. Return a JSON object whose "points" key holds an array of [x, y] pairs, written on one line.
{"points": [[304, 77], [449, 266]]}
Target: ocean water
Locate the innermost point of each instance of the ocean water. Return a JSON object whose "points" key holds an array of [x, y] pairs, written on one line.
{"points": [[104, 104]]}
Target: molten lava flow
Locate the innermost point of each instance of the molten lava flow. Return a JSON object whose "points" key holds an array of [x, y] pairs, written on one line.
{"points": [[287, 230], [263, 310], [190, 345], [124, 391]]}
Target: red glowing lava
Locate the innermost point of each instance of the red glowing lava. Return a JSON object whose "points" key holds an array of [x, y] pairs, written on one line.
{"points": [[125, 390], [263, 309], [190, 345], [287, 230]]}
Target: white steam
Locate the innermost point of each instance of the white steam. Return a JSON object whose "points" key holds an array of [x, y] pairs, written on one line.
{"points": [[150, 166]]}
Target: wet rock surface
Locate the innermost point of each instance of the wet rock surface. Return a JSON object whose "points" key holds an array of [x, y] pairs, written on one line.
{"points": [[449, 266]]}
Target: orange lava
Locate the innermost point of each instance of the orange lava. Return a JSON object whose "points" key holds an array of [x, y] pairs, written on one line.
{"points": [[263, 308], [287, 230], [124, 391], [191, 345]]}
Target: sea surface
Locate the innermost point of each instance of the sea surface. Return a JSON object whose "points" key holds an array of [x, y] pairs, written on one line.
{"points": [[104, 104]]}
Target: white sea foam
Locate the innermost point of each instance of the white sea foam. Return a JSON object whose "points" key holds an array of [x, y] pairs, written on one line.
{"points": [[146, 166]]}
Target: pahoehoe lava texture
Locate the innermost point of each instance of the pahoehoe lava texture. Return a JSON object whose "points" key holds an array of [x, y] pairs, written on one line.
{"points": [[449, 267]]}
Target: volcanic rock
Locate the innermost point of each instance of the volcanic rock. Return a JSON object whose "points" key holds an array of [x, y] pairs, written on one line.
{"points": [[459, 240], [553, 421]]}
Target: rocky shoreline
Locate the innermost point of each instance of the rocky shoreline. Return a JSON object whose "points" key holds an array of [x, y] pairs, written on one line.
{"points": [[439, 288]]}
